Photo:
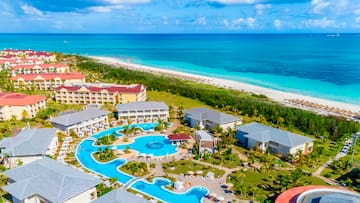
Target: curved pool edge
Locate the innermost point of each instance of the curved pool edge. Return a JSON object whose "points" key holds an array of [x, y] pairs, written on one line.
{"points": [[141, 179], [153, 182]]}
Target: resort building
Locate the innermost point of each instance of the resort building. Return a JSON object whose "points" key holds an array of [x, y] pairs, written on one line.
{"points": [[39, 68], [16, 105], [205, 118], [276, 140], [28, 54], [178, 138], [206, 141], [120, 196], [83, 122], [142, 111], [29, 145], [47, 180], [99, 93], [16, 62], [45, 81], [318, 194]]}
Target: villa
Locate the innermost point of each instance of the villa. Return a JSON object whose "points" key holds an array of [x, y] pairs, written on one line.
{"points": [[45, 81], [16, 105], [47, 180], [206, 141], [29, 145], [276, 140], [142, 111], [120, 196], [82, 122], [99, 93], [39, 68], [208, 119]]}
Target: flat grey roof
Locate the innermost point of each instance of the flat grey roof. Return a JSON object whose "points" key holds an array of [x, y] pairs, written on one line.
{"points": [[50, 179], [141, 105], [69, 119], [30, 141], [204, 135], [264, 133], [120, 196], [211, 115]]}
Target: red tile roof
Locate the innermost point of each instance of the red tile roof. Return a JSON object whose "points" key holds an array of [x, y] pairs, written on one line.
{"points": [[178, 137], [17, 99], [42, 66], [50, 76], [18, 61], [122, 89]]}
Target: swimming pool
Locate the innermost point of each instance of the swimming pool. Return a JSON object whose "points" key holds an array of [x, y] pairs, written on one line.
{"points": [[157, 145], [143, 145], [157, 190]]}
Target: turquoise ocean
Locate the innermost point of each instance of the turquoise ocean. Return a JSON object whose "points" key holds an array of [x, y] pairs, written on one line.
{"points": [[311, 64]]}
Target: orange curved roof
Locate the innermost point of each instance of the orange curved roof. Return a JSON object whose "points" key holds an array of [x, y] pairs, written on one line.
{"points": [[291, 195]]}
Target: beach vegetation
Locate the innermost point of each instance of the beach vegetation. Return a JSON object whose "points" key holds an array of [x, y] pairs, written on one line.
{"points": [[231, 101]]}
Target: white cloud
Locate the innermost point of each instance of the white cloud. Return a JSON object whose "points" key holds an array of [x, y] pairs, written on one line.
{"points": [[240, 23], [105, 9], [318, 5], [320, 23], [201, 21], [29, 10], [277, 23], [357, 20], [127, 1], [261, 7], [234, 1]]}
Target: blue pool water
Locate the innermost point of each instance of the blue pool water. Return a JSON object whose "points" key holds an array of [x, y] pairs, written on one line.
{"points": [[156, 189], [141, 144], [86, 148]]}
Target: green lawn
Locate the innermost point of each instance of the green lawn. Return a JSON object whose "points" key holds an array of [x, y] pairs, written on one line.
{"points": [[183, 166], [175, 100], [264, 184]]}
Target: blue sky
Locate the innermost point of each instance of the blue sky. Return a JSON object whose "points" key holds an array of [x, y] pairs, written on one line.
{"points": [[179, 16]]}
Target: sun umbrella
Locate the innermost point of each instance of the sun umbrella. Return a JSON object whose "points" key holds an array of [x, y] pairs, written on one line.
{"points": [[220, 198]]}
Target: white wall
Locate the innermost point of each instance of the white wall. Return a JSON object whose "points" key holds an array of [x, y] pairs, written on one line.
{"points": [[53, 146], [84, 197]]}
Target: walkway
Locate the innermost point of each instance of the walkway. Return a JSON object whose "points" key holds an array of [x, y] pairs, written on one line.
{"points": [[130, 182]]}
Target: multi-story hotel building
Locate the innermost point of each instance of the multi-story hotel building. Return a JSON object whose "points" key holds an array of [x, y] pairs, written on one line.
{"points": [[14, 105], [99, 93], [45, 81], [142, 111], [39, 68], [83, 122], [16, 62], [28, 54]]}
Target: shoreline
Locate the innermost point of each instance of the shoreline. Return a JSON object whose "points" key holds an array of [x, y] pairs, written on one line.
{"points": [[317, 105]]}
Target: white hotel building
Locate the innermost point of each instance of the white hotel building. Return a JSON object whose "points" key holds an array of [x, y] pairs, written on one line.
{"points": [[142, 111], [83, 122]]}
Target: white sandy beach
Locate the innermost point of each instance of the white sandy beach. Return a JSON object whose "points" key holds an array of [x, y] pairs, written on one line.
{"points": [[276, 95]]}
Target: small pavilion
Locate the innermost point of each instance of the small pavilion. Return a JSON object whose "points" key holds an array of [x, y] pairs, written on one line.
{"points": [[179, 138]]}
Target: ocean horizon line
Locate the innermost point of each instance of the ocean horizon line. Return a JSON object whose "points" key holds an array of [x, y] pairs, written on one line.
{"points": [[176, 33]]}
